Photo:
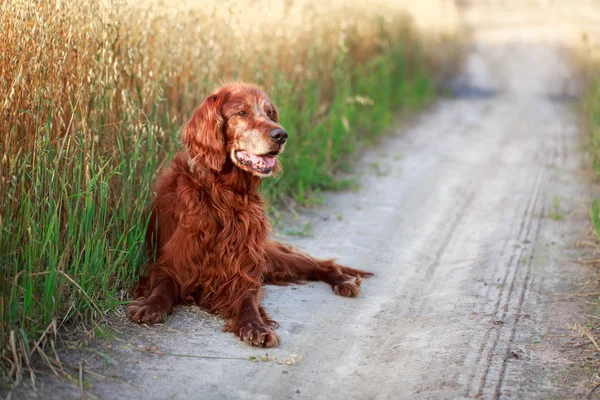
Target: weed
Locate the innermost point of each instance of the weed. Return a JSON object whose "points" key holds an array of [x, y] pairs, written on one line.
{"points": [[104, 333], [305, 232], [555, 214], [595, 216], [378, 171], [591, 107]]}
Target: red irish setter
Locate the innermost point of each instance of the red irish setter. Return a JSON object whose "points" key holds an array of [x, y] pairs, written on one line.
{"points": [[208, 226]]}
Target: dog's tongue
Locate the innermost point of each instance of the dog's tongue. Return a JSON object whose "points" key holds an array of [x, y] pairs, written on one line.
{"points": [[262, 161]]}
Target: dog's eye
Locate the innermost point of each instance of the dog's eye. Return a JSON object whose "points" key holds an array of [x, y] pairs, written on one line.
{"points": [[271, 114], [242, 114]]}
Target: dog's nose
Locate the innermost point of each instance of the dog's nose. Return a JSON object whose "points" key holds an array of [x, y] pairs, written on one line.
{"points": [[279, 135]]}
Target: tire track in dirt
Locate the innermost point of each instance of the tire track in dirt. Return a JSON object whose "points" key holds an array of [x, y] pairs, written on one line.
{"points": [[497, 344]]}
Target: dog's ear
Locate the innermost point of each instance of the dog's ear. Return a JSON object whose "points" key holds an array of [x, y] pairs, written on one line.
{"points": [[203, 134]]}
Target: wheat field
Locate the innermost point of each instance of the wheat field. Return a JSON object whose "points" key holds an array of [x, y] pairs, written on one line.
{"points": [[93, 97]]}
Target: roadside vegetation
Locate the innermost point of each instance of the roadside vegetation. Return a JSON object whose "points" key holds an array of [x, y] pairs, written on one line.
{"points": [[591, 107], [92, 99], [587, 56]]}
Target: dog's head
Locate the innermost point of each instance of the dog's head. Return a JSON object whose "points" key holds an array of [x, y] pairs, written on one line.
{"points": [[237, 122]]}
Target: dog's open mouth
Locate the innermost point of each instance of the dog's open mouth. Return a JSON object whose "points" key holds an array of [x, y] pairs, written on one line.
{"points": [[263, 164]]}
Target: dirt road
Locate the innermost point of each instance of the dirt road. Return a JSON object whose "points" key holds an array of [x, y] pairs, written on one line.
{"points": [[468, 219]]}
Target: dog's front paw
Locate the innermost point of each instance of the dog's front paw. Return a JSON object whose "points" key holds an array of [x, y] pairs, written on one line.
{"points": [[146, 313], [348, 288], [259, 335]]}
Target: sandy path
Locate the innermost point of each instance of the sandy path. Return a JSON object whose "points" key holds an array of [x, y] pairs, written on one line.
{"points": [[459, 216]]}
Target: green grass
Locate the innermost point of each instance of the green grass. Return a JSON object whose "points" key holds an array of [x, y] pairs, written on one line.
{"points": [[366, 99], [556, 214], [73, 218], [305, 232], [591, 107]]}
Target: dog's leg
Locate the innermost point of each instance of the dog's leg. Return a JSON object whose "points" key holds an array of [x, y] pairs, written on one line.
{"points": [[253, 324], [286, 264], [160, 295]]}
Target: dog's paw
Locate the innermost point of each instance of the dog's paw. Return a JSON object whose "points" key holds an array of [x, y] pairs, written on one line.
{"points": [[348, 288], [259, 335], [146, 313]]}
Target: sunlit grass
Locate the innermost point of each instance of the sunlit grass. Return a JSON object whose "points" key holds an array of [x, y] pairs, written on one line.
{"points": [[591, 107], [93, 96]]}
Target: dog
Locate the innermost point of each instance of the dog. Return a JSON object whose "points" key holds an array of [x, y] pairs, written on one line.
{"points": [[208, 228]]}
